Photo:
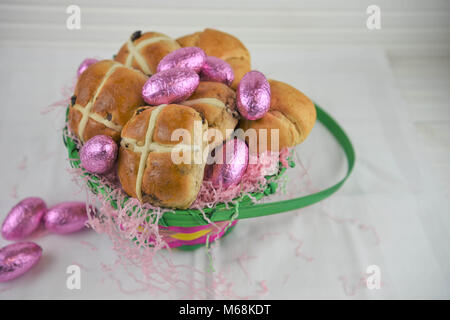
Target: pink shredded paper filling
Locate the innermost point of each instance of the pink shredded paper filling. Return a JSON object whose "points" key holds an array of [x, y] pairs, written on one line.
{"points": [[134, 230], [253, 180], [138, 221]]}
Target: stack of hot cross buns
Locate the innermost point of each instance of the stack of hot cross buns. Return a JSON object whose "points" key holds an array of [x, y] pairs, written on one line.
{"points": [[108, 100]]}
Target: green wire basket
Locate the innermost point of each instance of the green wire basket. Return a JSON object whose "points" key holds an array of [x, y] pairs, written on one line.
{"points": [[244, 206]]}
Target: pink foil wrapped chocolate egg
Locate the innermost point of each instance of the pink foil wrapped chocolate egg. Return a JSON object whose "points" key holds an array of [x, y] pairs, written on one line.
{"points": [[23, 218], [217, 70], [231, 162], [173, 85], [66, 217], [85, 64], [188, 57], [98, 155], [18, 258], [253, 95]]}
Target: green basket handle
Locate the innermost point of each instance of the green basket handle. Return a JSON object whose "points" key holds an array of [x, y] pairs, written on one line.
{"points": [[248, 209]]}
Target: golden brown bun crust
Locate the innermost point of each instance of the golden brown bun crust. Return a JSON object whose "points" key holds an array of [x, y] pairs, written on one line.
{"points": [[221, 45], [128, 166], [217, 117], [116, 101], [164, 183], [293, 113], [151, 53]]}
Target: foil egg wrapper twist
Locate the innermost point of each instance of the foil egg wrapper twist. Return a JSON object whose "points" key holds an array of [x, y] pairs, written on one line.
{"points": [[231, 163], [98, 155], [217, 70], [189, 57], [18, 258], [85, 64], [23, 219], [169, 86], [66, 217], [253, 95]]}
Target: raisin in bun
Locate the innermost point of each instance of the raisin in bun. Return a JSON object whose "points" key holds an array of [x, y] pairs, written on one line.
{"points": [[291, 112], [146, 168], [221, 45], [106, 96], [216, 102], [143, 51]]}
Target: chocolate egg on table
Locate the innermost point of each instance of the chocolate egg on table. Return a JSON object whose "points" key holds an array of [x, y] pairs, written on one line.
{"points": [[217, 70], [23, 218], [85, 64], [253, 95], [231, 163], [173, 85], [188, 57], [66, 217], [98, 155], [18, 258]]}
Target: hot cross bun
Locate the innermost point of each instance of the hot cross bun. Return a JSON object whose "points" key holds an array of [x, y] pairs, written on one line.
{"points": [[291, 112], [106, 96], [217, 103], [143, 51], [221, 45], [146, 168]]}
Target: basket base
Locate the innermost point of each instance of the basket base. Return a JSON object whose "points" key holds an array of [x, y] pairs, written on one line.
{"points": [[198, 246]]}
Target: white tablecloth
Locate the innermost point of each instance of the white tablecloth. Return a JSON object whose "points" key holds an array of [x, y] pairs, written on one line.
{"points": [[389, 213]]}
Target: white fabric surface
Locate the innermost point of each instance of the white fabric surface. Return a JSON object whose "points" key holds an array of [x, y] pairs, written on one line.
{"points": [[389, 213]]}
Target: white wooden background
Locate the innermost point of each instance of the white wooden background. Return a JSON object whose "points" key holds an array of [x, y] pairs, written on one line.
{"points": [[409, 28], [415, 34]]}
